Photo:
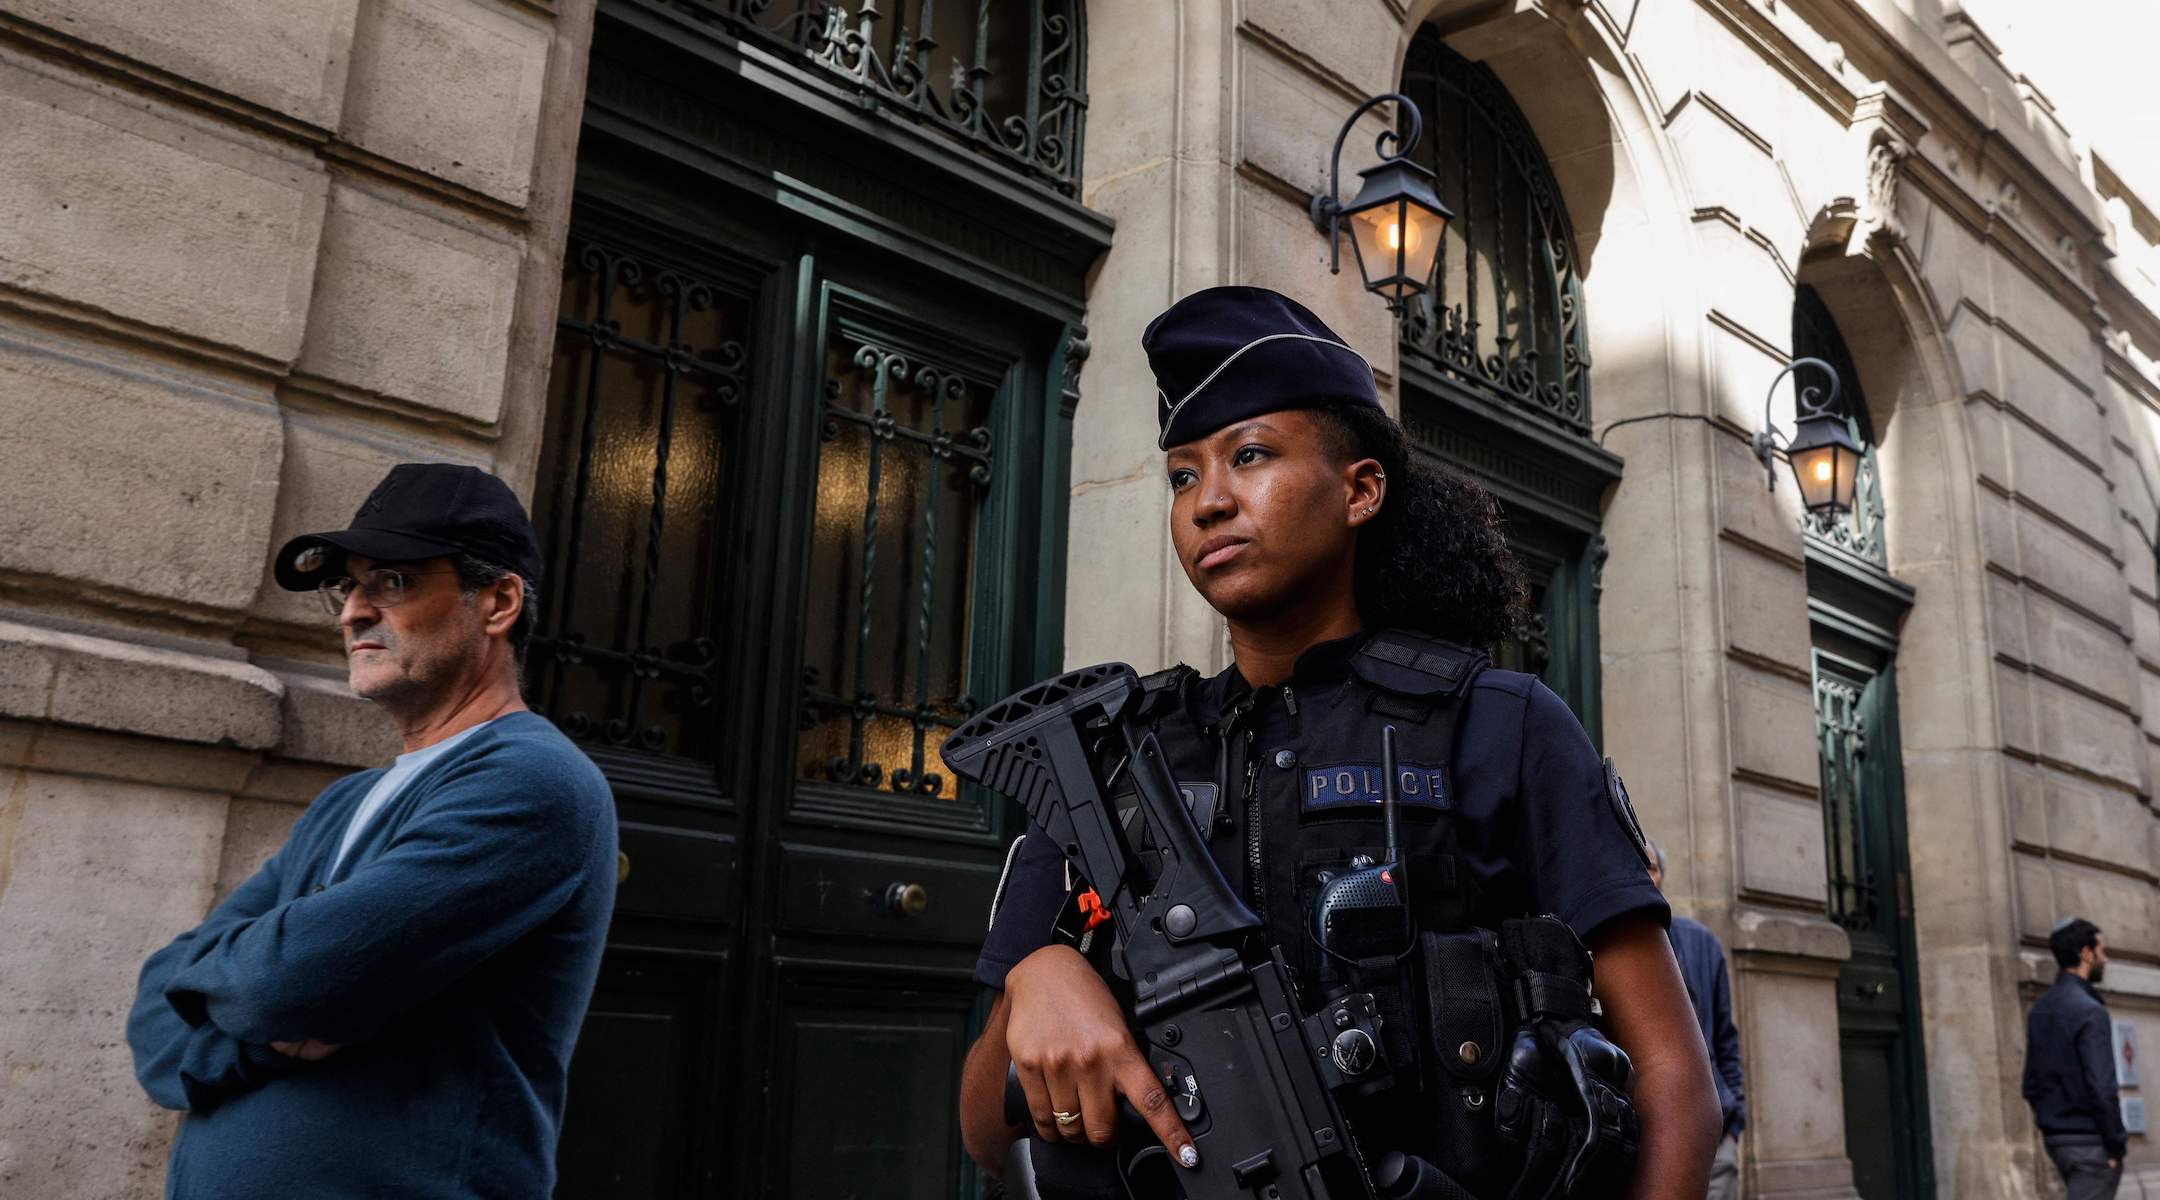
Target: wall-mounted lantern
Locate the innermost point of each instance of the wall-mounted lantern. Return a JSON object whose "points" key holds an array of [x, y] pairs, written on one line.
{"points": [[1824, 457], [1395, 220]]}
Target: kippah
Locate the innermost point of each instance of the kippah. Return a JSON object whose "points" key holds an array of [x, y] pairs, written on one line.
{"points": [[1228, 353]]}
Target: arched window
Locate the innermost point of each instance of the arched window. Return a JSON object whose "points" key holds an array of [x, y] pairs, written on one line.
{"points": [[1815, 335], [1504, 315], [1856, 608], [1005, 77], [1495, 380]]}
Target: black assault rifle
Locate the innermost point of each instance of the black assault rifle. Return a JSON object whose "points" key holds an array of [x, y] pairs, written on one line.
{"points": [[1253, 1077]]}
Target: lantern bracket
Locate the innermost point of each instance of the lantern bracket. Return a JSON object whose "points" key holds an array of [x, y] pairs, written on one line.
{"points": [[1324, 208], [1812, 403]]}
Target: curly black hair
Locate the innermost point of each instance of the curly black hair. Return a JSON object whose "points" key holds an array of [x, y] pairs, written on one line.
{"points": [[1433, 560]]}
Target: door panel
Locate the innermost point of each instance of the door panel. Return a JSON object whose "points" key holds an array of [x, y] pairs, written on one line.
{"points": [[654, 396], [881, 869], [1879, 1027], [870, 1063], [852, 893], [631, 1126]]}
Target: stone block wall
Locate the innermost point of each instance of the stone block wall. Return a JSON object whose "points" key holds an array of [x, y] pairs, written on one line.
{"points": [[251, 254]]}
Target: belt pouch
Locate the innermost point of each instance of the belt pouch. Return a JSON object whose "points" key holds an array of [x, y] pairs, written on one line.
{"points": [[1465, 1032]]}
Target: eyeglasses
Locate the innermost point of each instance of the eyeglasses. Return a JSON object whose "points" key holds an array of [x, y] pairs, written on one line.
{"points": [[383, 587]]}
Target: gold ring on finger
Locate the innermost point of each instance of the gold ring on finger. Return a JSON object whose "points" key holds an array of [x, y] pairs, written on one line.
{"points": [[1066, 1119]]}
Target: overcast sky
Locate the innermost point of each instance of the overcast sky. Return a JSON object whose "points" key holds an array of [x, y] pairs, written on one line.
{"points": [[2094, 60]]}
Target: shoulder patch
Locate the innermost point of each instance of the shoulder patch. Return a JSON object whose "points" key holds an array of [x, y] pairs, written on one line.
{"points": [[1410, 665], [1623, 811]]}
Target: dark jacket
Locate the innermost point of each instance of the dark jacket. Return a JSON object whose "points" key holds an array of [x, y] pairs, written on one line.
{"points": [[450, 957], [1702, 966], [2070, 1065]]}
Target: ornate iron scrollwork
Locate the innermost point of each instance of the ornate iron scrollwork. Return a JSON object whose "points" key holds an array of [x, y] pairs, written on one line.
{"points": [[1007, 77], [896, 405], [1510, 249], [636, 338]]}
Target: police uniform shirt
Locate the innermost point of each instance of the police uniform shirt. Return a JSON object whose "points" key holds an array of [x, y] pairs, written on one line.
{"points": [[1535, 824]]}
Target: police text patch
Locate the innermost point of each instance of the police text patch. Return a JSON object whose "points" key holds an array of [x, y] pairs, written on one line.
{"points": [[1349, 785]]}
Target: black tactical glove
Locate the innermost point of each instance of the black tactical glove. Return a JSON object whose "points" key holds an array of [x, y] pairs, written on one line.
{"points": [[1565, 1092], [1604, 1082], [1531, 1111]]}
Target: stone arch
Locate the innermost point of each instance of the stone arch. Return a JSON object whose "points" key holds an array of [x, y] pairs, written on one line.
{"points": [[1956, 809], [1619, 178]]}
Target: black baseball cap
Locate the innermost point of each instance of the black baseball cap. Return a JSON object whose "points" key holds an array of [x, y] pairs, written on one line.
{"points": [[421, 510]]}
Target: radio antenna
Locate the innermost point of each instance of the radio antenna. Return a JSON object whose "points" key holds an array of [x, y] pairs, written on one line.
{"points": [[1390, 786]]}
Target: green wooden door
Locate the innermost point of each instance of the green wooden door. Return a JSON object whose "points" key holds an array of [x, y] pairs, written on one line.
{"points": [[1879, 1031], [803, 480], [794, 503], [915, 441], [663, 379]]}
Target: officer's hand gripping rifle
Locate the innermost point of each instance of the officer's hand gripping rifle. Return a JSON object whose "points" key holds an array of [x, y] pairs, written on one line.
{"points": [[1214, 1015]]}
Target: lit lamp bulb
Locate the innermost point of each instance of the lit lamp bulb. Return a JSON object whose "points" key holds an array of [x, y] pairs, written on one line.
{"points": [[1823, 470], [1396, 239]]}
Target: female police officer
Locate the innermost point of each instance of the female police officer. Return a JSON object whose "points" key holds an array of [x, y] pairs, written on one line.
{"points": [[1350, 580]]}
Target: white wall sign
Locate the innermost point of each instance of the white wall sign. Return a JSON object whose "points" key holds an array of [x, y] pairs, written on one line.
{"points": [[2133, 1110], [2126, 1073]]}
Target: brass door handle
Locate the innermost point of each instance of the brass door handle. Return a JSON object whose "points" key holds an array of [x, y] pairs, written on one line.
{"points": [[622, 866], [906, 899]]}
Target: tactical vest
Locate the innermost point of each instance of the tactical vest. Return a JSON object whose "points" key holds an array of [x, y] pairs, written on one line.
{"points": [[1281, 815], [1284, 816]]}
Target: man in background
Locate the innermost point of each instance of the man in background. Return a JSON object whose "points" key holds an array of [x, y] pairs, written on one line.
{"points": [[387, 1008], [2070, 1066], [1702, 967]]}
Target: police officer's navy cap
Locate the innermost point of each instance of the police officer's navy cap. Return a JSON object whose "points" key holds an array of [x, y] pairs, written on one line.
{"points": [[1228, 353], [419, 511]]}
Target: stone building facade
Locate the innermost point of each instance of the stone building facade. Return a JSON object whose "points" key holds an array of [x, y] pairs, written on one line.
{"points": [[251, 253]]}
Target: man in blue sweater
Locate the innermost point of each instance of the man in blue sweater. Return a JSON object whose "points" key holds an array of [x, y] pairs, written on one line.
{"points": [[1702, 968], [388, 1007]]}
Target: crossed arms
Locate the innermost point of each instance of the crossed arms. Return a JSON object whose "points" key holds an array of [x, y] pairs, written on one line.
{"points": [[487, 856]]}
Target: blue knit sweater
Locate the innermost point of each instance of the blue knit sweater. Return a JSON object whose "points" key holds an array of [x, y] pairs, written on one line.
{"points": [[450, 957]]}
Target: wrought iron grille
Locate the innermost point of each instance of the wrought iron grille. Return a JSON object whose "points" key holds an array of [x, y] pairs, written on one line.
{"points": [[1004, 76], [649, 365], [1841, 742], [1815, 335], [1504, 316], [902, 473]]}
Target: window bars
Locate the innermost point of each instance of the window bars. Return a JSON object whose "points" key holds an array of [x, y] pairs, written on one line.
{"points": [[1004, 76], [648, 371], [1504, 316], [902, 473]]}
